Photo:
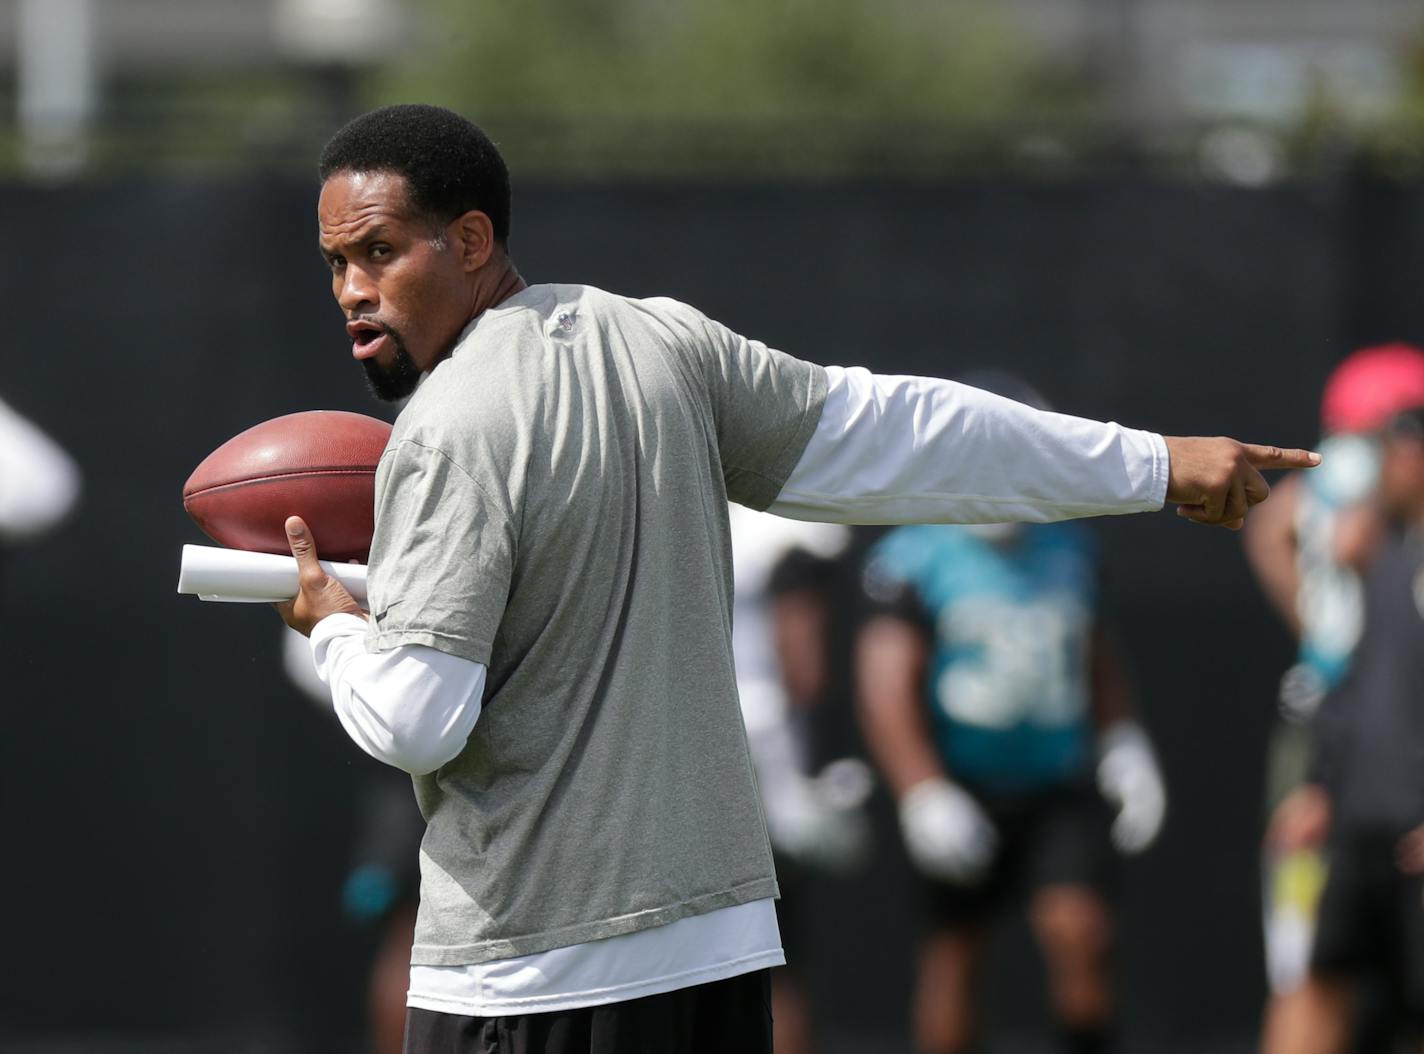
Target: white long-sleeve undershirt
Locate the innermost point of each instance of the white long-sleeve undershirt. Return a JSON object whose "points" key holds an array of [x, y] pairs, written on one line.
{"points": [[412, 707], [886, 450], [892, 450]]}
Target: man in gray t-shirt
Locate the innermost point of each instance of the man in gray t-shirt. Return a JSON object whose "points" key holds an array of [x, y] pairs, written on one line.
{"points": [[584, 447], [548, 650]]}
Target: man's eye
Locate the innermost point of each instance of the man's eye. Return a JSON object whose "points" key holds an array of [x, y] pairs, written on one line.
{"points": [[380, 251], [336, 262]]}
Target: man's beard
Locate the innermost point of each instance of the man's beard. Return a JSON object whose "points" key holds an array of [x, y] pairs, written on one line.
{"points": [[392, 383]]}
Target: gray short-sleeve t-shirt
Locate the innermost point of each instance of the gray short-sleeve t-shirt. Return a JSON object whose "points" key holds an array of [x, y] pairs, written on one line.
{"points": [[552, 503]]}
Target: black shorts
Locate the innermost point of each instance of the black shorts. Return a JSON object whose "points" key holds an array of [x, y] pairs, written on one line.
{"points": [[716, 1018], [1056, 838], [1371, 919]]}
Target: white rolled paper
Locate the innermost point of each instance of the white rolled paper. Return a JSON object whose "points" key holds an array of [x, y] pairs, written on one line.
{"points": [[237, 577]]}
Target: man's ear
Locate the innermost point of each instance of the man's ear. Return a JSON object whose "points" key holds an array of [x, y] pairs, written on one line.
{"points": [[475, 235]]}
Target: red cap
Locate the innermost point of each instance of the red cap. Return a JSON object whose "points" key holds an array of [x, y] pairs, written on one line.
{"points": [[1371, 386]]}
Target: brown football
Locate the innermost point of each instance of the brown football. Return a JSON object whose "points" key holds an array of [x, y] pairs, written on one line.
{"points": [[319, 465]]}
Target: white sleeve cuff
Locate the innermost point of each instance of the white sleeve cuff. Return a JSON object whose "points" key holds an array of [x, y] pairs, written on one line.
{"points": [[1161, 472], [342, 624]]}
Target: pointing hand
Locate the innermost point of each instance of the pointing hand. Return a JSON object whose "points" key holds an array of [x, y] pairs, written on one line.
{"points": [[1215, 481]]}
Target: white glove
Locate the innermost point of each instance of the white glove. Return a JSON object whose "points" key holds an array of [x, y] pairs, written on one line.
{"points": [[821, 820], [946, 832], [1131, 781]]}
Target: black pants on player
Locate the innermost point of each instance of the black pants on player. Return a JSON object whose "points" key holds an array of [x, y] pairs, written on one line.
{"points": [[724, 1017], [1370, 922]]}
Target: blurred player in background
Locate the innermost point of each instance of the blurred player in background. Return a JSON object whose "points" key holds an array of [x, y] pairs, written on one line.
{"points": [[1307, 552], [1367, 780], [988, 689], [39, 482], [783, 573]]}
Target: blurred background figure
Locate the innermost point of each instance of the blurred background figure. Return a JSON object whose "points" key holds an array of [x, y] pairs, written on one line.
{"points": [[39, 482], [993, 701], [784, 576], [1308, 552], [1365, 786], [382, 886]]}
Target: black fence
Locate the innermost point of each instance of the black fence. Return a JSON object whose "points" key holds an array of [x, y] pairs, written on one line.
{"points": [[175, 820]]}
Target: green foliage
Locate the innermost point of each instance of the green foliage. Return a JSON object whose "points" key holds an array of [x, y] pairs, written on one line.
{"points": [[1396, 146], [694, 82], [631, 88]]}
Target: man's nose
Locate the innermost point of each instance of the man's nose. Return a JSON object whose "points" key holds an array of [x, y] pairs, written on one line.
{"points": [[357, 294]]}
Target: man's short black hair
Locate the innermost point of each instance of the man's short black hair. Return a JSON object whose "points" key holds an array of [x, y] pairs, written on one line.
{"points": [[450, 165]]}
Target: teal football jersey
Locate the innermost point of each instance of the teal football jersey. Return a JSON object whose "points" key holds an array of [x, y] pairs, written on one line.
{"points": [[1011, 627]]}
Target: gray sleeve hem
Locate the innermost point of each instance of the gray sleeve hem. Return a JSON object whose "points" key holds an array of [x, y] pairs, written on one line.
{"points": [[760, 488], [460, 647]]}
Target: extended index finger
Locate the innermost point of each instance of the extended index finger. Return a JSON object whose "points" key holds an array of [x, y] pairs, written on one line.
{"points": [[1279, 457]]}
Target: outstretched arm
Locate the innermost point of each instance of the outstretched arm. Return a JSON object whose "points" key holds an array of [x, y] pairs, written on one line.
{"points": [[919, 450]]}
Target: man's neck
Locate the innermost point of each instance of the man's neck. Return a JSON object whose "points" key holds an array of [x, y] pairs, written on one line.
{"points": [[505, 281]]}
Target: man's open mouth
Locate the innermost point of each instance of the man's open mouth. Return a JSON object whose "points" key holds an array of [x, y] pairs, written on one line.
{"points": [[367, 338]]}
